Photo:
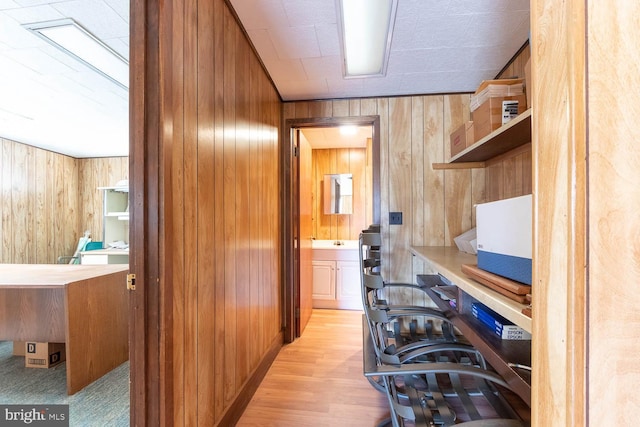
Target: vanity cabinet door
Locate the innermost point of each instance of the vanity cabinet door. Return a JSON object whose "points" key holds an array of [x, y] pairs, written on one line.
{"points": [[324, 283], [348, 285]]}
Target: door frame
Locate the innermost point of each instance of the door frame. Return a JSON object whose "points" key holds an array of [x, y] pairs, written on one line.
{"points": [[291, 196]]}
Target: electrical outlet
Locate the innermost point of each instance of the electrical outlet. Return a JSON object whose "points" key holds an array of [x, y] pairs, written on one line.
{"points": [[395, 218]]}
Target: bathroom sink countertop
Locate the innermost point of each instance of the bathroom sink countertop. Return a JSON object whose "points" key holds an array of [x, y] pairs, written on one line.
{"points": [[331, 244]]}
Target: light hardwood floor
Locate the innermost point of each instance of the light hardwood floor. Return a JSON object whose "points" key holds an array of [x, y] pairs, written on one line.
{"points": [[317, 380]]}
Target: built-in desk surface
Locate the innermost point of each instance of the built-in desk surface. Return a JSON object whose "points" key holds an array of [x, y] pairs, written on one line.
{"points": [[447, 260], [510, 358]]}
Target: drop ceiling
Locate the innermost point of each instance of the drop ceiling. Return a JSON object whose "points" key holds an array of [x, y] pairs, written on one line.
{"points": [[50, 100]]}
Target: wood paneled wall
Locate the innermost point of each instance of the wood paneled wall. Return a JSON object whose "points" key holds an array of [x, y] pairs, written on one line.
{"points": [[340, 160], [437, 205], [515, 68], [48, 200], [414, 132], [208, 142], [586, 202], [94, 173]]}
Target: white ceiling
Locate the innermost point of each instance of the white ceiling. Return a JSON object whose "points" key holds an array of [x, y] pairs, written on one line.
{"points": [[49, 100], [52, 101], [438, 46], [331, 137]]}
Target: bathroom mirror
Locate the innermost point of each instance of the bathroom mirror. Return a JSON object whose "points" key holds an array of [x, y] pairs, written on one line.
{"points": [[338, 193]]}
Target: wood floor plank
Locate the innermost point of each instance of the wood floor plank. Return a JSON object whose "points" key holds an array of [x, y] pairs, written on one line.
{"points": [[317, 380]]}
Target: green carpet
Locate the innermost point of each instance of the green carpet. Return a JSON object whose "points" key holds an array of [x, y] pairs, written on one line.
{"points": [[104, 402]]}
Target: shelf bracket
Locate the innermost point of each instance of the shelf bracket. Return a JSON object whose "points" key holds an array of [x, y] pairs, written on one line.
{"points": [[461, 165]]}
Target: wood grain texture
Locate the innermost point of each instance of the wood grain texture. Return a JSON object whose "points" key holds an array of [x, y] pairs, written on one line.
{"points": [[94, 173], [32, 314], [559, 353], [97, 327], [412, 130], [332, 161], [84, 307], [306, 214], [613, 206], [218, 250], [515, 69], [317, 380], [48, 201]]}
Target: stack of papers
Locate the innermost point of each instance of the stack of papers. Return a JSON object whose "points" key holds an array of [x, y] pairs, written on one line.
{"points": [[494, 89]]}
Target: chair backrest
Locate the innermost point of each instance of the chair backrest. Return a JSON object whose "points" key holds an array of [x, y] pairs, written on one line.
{"points": [[92, 246]]}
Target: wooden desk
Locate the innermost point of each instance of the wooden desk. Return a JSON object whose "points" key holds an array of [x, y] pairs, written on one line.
{"points": [[86, 307], [504, 355]]}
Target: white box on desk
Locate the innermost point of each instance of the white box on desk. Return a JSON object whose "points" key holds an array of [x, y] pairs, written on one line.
{"points": [[505, 237]]}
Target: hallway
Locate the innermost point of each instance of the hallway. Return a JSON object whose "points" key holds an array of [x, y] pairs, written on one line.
{"points": [[318, 380]]}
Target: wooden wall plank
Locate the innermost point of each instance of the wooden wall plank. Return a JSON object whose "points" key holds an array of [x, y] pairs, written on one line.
{"points": [[206, 261], [559, 252], [178, 268], [243, 207], [190, 210], [613, 206], [361, 192], [217, 250], [342, 221], [457, 182], [230, 224], [400, 181], [324, 162], [434, 151]]}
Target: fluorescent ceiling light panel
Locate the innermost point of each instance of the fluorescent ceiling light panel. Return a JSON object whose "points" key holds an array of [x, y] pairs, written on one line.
{"points": [[348, 130], [68, 36], [366, 27]]}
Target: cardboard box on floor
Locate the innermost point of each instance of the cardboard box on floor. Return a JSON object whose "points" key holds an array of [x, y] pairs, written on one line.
{"points": [[489, 116], [18, 348], [43, 354], [461, 138]]}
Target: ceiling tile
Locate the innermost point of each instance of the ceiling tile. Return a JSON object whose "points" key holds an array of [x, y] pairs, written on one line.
{"points": [[298, 12], [14, 35], [38, 61], [8, 4], [328, 39], [324, 67], [307, 90], [263, 44], [96, 16], [295, 42], [34, 14], [261, 14], [32, 2], [121, 7], [286, 69]]}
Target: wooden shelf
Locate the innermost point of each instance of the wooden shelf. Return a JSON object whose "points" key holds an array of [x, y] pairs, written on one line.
{"points": [[514, 134], [447, 261]]}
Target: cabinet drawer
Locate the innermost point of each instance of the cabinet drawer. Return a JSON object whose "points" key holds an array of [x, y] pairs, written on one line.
{"points": [[335, 255]]}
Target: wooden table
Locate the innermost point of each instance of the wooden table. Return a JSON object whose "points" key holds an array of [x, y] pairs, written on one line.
{"points": [[84, 306]]}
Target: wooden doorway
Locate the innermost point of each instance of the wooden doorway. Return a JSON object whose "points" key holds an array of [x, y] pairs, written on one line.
{"points": [[296, 248]]}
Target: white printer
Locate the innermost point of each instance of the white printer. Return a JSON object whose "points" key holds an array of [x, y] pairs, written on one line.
{"points": [[504, 233]]}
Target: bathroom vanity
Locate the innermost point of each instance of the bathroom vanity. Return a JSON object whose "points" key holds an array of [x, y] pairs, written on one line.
{"points": [[336, 277]]}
